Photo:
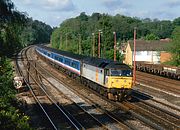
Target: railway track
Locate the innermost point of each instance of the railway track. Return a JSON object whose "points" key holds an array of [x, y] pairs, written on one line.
{"points": [[159, 82], [115, 115], [121, 115], [153, 120], [141, 96], [108, 116], [98, 120], [162, 118], [56, 116], [92, 109]]}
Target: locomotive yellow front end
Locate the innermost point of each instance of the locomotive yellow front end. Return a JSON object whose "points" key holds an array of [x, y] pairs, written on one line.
{"points": [[119, 83]]}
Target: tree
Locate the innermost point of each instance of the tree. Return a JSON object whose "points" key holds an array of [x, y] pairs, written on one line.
{"points": [[176, 22], [151, 37], [11, 23], [175, 48], [10, 115]]}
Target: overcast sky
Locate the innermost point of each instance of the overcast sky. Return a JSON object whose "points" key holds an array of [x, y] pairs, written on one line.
{"points": [[53, 12]]}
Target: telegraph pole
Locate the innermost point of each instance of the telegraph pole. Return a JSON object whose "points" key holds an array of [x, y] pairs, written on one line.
{"points": [[99, 40], [79, 43], [99, 43], [93, 45], [114, 46], [66, 41], [134, 68], [60, 44]]}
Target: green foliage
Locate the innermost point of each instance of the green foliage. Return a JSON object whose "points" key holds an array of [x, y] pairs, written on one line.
{"points": [[12, 119], [176, 22], [18, 31], [151, 37], [6, 84], [10, 116], [175, 48], [12, 23], [66, 37]]}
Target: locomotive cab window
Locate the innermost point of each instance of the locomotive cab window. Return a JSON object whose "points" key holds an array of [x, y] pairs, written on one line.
{"points": [[107, 72], [118, 72]]}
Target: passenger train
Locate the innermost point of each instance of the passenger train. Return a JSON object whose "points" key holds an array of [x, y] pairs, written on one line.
{"points": [[109, 78]]}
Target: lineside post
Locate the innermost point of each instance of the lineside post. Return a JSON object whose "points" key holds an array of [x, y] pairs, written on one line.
{"points": [[28, 69], [134, 65], [99, 42], [114, 46]]}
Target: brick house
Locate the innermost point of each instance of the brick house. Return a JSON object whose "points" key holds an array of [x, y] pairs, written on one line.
{"points": [[147, 51]]}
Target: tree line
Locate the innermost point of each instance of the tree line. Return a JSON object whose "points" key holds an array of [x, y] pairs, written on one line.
{"points": [[77, 34], [16, 32]]}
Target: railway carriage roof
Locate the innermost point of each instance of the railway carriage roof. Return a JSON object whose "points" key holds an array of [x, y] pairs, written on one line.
{"points": [[64, 53], [98, 62]]}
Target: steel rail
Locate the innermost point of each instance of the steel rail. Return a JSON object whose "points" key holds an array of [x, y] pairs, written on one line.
{"points": [[72, 120], [21, 74], [154, 115], [169, 106], [67, 97], [134, 114]]}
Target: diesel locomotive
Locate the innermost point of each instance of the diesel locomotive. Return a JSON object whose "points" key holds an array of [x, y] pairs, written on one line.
{"points": [[109, 78]]}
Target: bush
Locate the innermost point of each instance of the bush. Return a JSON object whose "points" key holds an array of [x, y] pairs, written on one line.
{"points": [[10, 116]]}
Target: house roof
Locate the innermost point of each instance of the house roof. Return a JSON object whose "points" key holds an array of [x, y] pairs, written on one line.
{"points": [[142, 45]]}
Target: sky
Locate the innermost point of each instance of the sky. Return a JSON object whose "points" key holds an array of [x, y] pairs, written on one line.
{"points": [[54, 12]]}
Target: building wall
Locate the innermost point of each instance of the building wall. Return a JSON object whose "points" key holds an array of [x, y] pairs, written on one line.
{"points": [[148, 56], [128, 55], [165, 56], [154, 57]]}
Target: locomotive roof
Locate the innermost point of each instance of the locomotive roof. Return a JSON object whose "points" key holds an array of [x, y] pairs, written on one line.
{"points": [[117, 65], [96, 61], [65, 53], [105, 63]]}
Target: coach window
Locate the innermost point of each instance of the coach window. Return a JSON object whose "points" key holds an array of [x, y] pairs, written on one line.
{"points": [[56, 57], [74, 65], [60, 59], [67, 62]]}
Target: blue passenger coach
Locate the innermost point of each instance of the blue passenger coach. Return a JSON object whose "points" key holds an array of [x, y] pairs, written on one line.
{"points": [[70, 63]]}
